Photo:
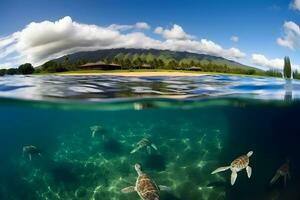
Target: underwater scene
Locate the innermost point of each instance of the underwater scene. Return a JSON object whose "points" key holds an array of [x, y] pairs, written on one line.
{"points": [[210, 137]]}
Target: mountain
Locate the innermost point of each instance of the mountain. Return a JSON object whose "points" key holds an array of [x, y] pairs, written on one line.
{"points": [[147, 54]]}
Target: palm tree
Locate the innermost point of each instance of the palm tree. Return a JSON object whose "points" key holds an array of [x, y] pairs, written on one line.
{"points": [[287, 69]]}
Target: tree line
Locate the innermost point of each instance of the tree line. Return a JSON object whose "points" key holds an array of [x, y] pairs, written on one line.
{"points": [[26, 68], [288, 73], [136, 63]]}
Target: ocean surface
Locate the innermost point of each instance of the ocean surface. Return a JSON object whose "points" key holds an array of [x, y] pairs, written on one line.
{"points": [[84, 129]]}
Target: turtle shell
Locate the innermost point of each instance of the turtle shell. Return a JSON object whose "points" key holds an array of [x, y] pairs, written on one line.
{"points": [[31, 150], [146, 188], [96, 128], [144, 142], [241, 162], [284, 169]]}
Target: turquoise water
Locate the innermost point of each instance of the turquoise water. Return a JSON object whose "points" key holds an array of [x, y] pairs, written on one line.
{"points": [[197, 124]]}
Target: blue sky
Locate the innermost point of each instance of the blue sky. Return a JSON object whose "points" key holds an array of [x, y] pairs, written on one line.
{"points": [[256, 25]]}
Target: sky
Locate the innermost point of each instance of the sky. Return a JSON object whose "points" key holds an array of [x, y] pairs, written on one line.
{"points": [[253, 32]]}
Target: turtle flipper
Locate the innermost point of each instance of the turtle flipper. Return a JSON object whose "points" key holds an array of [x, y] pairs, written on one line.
{"points": [[220, 169], [128, 189], [233, 177], [29, 155], [93, 133], [135, 149], [275, 178], [154, 146], [164, 188], [285, 180], [249, 171]]}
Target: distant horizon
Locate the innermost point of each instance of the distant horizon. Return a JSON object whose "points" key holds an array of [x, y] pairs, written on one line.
{"points": [[38, 32]]}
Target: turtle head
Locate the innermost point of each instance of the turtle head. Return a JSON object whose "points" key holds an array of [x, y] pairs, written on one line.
{"points": [[28, 148], [249, 153], [25, 148], [138, 168]]}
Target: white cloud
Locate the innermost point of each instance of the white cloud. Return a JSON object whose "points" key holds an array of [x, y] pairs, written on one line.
{"points": [[45, 40], [5, 41], [142, 25], [261, 60], [39, 42], [118, 27], [7, 51], [7, 65], [275, 63], [159, 30], [295, 4], [138, 25], [203, 46], [234, 38], [178, 40], [291, 38], [175, 33], [7, 46]]}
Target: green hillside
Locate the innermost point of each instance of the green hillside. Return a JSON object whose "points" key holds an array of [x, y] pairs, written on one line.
{"points": [[150, 59], [147, 55]]}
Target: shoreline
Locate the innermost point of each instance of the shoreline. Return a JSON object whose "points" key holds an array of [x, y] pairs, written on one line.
{"points": [[143, 73], [133, 74]]}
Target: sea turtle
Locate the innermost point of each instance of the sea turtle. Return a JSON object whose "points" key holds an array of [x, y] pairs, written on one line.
{"points": [[145, 142], [284, 171], [145, 186], [237, 165], [142, 106], [97, 129], [31, 150]]}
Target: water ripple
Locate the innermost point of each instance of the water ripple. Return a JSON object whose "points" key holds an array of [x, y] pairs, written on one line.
{"points": [[6, 88], [93, 88]]}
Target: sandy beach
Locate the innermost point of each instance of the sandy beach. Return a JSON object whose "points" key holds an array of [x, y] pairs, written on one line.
{"points": [[130, 74]]}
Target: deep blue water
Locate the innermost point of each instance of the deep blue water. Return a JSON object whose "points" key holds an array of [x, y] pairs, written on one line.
{"points": [[197, 123]]}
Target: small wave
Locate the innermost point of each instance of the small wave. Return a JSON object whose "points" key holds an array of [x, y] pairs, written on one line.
{"points": [[99, 88], [6, 88]]}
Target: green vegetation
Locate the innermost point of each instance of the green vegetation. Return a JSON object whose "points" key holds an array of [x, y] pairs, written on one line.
{"points": [[139, 63], [2, 72], [273, 73], [12, 71], [26, 69], [149, 60], [141, 59], [296, 74], [287, 69], [52, 66]]}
